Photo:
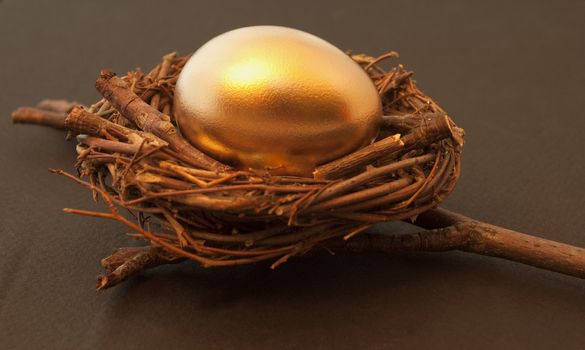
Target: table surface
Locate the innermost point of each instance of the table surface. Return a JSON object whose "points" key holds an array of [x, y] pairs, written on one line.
{"points": [[511, 73]]}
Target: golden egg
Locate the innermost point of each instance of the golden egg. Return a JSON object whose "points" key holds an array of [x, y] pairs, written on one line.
{"points": [[274, 97]]}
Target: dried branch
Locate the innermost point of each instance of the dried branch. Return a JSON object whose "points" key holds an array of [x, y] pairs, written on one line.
{"points": [[58, 106], [149, 119], [453, 231], [356, 161], [80, 120], [351, 183], [125, 262], [107, 145], [422, 129], [31, 115]]}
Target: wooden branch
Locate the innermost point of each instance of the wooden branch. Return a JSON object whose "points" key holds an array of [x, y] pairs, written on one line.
{"points": [[59, 106], [356, 161], [31, 115], [422, 129], [125, 262], [433, 127], [82, 121], [453, 231], [149, 119], [353, 182], [107, 145], [50, 113], [406, 122]]}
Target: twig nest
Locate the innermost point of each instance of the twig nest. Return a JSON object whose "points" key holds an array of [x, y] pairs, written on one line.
{"points": [[274, 97], [193, 206]]}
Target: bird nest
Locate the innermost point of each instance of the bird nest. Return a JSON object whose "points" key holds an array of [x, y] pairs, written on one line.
{"points": [[190, 206]]}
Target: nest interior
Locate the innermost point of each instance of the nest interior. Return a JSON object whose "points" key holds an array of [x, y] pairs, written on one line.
{"points": [[190, 205]]}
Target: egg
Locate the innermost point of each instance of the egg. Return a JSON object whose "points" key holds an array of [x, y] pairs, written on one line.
{"points": [[275, 98]]}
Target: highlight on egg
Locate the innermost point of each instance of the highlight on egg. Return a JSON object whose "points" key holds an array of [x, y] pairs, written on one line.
{"points": [[270, 97]]}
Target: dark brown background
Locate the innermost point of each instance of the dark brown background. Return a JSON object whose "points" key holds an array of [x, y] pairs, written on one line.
{"points": [[511, 73]]}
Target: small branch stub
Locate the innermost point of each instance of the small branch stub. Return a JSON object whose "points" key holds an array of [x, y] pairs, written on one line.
{"points": [[31, 115]]}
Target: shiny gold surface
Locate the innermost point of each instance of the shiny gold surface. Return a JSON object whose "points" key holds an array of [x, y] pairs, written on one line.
{"points": [[275, 97]]}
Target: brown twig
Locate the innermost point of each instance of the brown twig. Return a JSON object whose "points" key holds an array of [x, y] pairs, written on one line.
{"points": [[47, 113], [149, 119], [82, 121], [453, 231], [31, 115], [356, 161], [125, 262], [421, 129], [133, 157], [351, 183], [107, 145], [58, 106]]}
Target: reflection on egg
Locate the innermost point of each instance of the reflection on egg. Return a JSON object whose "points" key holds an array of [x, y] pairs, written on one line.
{"points": [[274, 97]]}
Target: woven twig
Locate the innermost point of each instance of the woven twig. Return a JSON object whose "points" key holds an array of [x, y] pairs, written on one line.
{"points": [[130, 151], [190, 206]]}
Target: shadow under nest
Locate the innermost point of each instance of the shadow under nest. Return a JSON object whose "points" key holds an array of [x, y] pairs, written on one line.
{"points": [[190, 206]]}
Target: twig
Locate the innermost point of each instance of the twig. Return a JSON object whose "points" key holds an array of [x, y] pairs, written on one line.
{"points": [[422, 129], [82, 121], [59, 106], [453, 231], [107, 145], [149, 119], [125, 262], [346, 185], [31, 115], [356, 161]]}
